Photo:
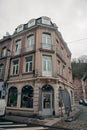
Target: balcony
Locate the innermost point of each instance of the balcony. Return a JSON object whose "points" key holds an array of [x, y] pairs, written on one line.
{"points": [[46, 47], [17, 52]]}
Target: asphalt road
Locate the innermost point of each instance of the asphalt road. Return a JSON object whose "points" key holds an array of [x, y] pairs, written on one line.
{"points": [[10, 125], [83, 114]]}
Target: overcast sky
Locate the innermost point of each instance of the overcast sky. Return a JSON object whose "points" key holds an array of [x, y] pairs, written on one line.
{"points": [[69, 15]]}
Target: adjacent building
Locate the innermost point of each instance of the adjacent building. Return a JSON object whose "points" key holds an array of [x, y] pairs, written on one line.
{"points": [[78, 91], [40, 64], [84, 86], [4, 63]]}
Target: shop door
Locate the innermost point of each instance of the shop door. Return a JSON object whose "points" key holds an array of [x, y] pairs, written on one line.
{"points": [[47, 103]]}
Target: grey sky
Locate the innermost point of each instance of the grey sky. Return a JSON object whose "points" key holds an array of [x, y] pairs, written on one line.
{"points": [[69, 15]]}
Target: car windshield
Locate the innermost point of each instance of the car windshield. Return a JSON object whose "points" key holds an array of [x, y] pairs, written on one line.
{"points": [[85, 100]]}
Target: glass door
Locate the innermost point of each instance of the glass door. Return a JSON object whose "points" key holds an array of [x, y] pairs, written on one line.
{"points": [[47, 103]]}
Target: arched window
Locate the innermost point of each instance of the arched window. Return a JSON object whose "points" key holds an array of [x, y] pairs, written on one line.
{"points": [[27, 97], [12, 97]]}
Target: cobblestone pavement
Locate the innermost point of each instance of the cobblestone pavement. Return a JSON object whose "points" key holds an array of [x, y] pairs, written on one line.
{"points": [[80, 125]]}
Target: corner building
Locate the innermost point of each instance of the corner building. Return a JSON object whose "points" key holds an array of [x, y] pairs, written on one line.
{"points": [[40, 65]]}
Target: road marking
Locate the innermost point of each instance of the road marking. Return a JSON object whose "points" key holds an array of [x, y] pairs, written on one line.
{"points": [[1, 123], [31, 128], [19, 125]]}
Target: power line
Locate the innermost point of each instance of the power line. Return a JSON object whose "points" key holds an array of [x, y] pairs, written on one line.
{"points": [[77, 40]]}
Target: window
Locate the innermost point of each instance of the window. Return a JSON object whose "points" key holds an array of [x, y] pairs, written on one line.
{"points": [[47, 65], [28, 64], [27, 97], [30, 43], [46, 20], [46, 41], [15, 67], [64, 71], [12, 97], [31, 23], [18, 47], [58, 67], [20, 28], [4, 52], [1, 70]]}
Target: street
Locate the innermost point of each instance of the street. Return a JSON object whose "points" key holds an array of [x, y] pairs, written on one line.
{"points": [[6, 125], [83, 115], [80, 123]]}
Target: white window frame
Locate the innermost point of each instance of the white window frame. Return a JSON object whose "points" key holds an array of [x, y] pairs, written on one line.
{"points": [[30, 43], [31, 23], [4, 52], [15, 67], [46, 37], [48, 63], [29, 62], [46, 20], [17, 47]]}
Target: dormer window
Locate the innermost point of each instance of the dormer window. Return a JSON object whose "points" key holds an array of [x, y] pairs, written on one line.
{"points": [[3, 54], [20, 28], [46, 20], [31, 23]]}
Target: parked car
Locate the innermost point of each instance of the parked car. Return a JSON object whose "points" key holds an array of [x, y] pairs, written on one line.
{"points": [[81, 101], [2, 107], [85, 102]]}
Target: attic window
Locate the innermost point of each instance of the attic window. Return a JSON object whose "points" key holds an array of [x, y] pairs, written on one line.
{"points": [[20, 28], [46, 20], [31, 23]]}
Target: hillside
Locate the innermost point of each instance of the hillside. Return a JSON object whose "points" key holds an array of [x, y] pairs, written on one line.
{"points": [[78, 69]]}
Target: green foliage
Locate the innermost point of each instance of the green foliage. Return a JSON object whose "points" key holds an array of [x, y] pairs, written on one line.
{"points": [[78, 69]]}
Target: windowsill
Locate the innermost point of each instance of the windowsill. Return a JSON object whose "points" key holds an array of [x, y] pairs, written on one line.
{"points": [[25, 73], [14, 75], [46, 50]]}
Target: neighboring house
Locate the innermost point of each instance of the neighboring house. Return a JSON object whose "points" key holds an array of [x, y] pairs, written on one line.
{"points": [[78, 92], [40, 65], [84, 86], [4, 65]]}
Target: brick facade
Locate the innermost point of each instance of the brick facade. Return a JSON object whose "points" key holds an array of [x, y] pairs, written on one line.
{"points": [[38, 68]]}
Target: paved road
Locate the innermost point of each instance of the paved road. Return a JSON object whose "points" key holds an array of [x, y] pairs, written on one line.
{"points": [[83, 115], [10, 125]]}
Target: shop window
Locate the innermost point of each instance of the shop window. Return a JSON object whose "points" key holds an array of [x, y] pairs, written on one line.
{"points": [[12, 97], [27, 97]]}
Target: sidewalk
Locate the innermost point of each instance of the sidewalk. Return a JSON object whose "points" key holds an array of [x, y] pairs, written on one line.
{"points": [[51, 121]]}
